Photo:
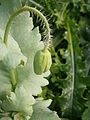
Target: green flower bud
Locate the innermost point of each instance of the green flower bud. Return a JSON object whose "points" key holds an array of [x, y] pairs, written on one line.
{"points": [[42, 61]]}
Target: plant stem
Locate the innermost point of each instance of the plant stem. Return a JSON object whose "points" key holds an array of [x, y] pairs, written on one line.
{"points": [[30, 9], [8, 26], [13, 78]]}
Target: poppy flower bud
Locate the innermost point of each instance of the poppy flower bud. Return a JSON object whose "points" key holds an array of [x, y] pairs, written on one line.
{"points": [[42, 61]]}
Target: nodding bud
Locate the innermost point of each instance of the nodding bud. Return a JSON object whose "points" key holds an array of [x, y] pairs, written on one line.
{"points": [[42, 61]]}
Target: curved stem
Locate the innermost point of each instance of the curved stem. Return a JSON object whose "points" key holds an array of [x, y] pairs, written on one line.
{"points": [[30, 9]]}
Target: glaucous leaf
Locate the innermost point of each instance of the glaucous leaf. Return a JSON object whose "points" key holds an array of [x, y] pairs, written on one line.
{"points": [[5, 118], [3, 50], [41, 112], [20, 101], [28, 39], [12, 56], [7, 7]]}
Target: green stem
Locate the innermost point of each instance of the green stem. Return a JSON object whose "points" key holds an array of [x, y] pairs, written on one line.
{"points": [[30, 9], [13, 78]]}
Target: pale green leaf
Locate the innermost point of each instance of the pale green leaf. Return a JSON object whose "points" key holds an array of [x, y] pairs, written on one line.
{"points": [[20, 116], [5, 81], [12, 56], [5, 118], [3, 50], [20, 101], [7, 7], [41, 112], [29, 42], [14, 59]]}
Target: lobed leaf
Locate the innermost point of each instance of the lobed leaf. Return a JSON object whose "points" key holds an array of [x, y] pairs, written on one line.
{"points": [[18, 101], [41, 112], [86, 114], [72, 102], [29, 42]]}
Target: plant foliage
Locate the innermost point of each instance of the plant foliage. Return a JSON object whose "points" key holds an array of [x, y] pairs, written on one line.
{"points": [[19, 85], [68, 84], [70, 72]]}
